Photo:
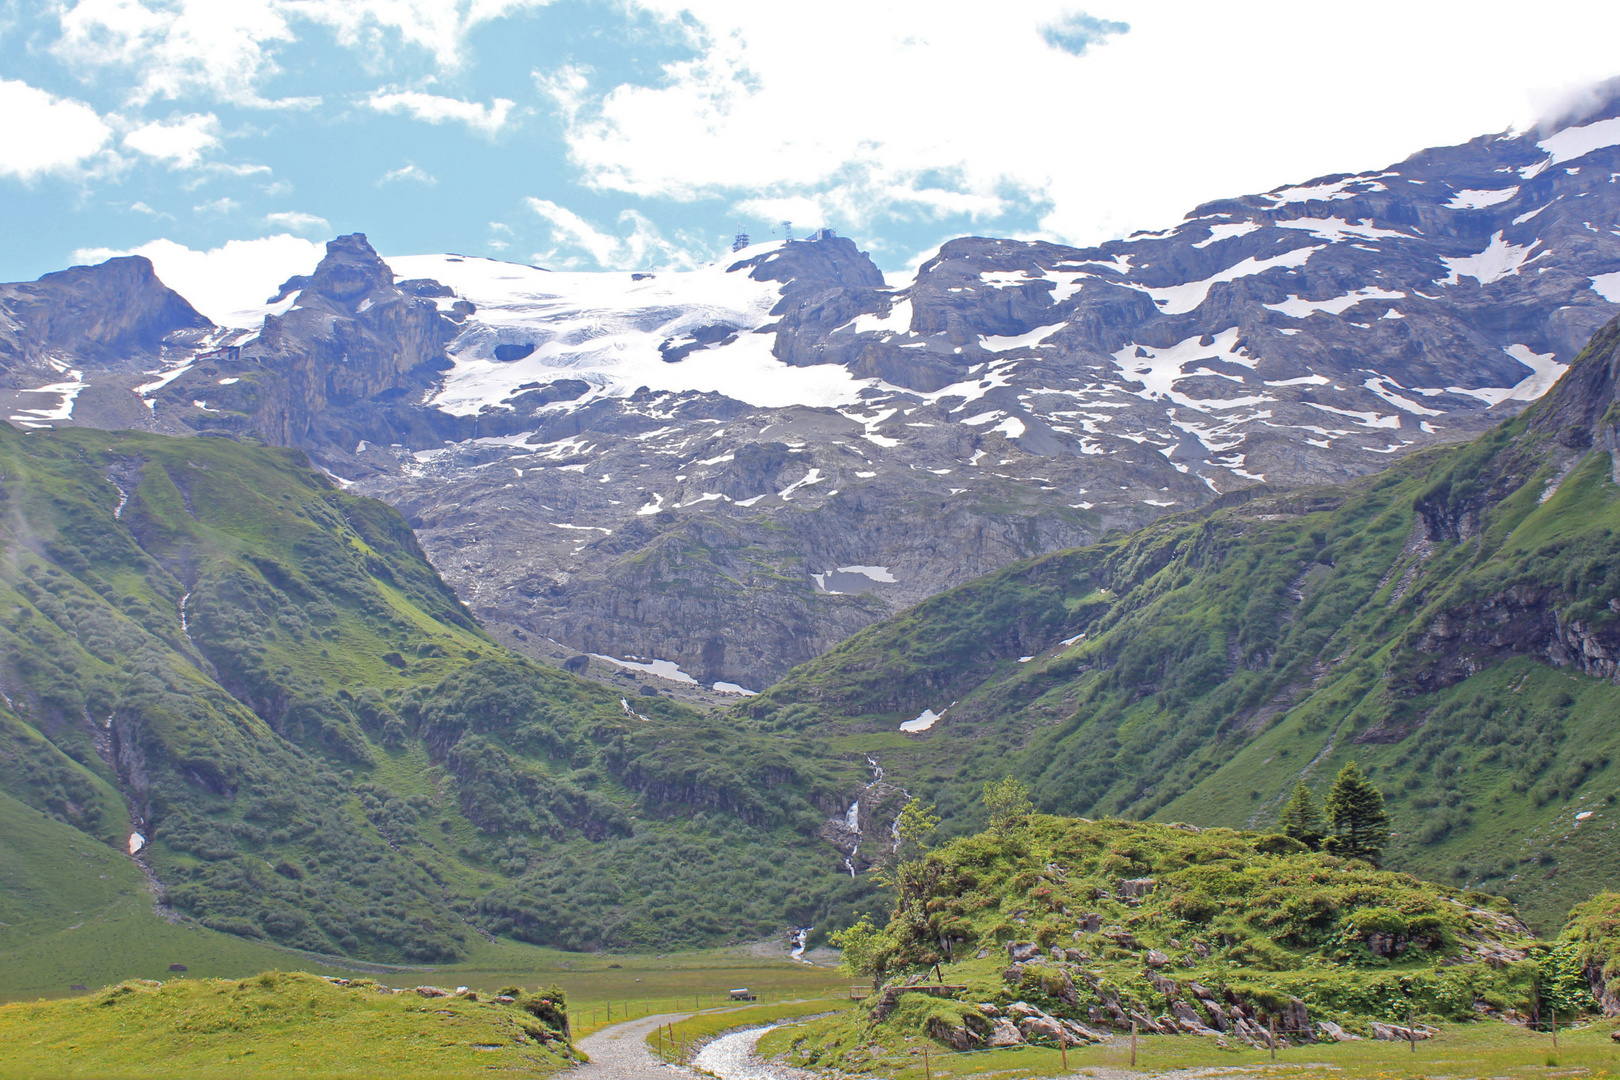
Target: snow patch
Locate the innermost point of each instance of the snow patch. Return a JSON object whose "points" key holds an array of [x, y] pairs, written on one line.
{"points": [[1335, 229], [1607, 286], [1296, 308], [664, 669], [1471, 199], [1574, 142], [1180, 299], [1499, 260], [923, 721], [1227, 230]]}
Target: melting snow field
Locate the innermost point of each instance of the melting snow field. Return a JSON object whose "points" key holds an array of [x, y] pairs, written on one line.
{"points": [[1478, 200], [605, 329], [1607, 286], [924, 720], [1295, 308], [1499, 260], [1180, 299], [1574, 142], [664, 669], [136, 842], [42, 418]]}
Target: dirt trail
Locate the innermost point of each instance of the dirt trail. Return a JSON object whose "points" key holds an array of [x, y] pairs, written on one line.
{"points": [[620, 1052]]}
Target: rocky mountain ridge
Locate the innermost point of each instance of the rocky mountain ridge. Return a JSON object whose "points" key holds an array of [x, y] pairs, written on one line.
{"points": [[719, 474]]}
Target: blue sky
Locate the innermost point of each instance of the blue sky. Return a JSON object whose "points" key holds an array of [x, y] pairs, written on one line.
{"points": [[642, 133]]}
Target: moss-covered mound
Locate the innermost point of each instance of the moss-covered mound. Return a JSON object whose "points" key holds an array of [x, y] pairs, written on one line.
{"points": [[279, 1023], [1069, 928]]}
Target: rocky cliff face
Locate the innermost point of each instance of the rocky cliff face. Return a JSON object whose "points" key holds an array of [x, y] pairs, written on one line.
{"points": [[730, 469], [102, 315], [330, 369]]}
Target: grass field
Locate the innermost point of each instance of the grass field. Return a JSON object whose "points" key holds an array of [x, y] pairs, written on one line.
{"points": [[273, 1024], [88, 920], [1487, 1049]]}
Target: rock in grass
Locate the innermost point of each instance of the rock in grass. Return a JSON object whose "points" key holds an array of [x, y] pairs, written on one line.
{"points": [[1019, 951], [1005, 1033]]}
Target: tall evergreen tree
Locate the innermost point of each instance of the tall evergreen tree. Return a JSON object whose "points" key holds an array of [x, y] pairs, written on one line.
{"points": [[1356, 811], [1302, 820]]}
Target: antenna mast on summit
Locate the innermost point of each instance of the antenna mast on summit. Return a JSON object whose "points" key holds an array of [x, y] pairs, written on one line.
{"points": [[787, 232], [739, 241]]}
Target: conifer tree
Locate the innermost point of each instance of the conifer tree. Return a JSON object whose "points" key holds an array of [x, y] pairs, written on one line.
{"points": [[1008, 802], [1355, 809], [1302, 819]]}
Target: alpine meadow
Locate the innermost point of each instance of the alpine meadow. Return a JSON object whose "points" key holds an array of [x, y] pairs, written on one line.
{"points": [[956, 636]]}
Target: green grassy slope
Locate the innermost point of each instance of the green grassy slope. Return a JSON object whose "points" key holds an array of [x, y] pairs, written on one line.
{"points": [[1449, 622], [1108, 922], [274, 1024], [207, 643]]}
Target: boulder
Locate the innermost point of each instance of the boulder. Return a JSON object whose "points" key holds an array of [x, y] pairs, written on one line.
{"points": [[1157, 959], [1082, 1033], [1396, 1033], [1045, 1029], [1326, 1029], [1023, 1010], [1089, 923], [1134, 890], [1005, 1033], [956, 1036], [432, 991], [1019, 951], [1295, 1020]]}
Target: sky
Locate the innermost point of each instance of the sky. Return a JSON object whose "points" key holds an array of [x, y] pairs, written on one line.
{"points": [[231, 138]]}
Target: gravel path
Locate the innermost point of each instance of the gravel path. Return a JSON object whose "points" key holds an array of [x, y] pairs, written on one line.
{"points": [[733, 1057], [620, 1052]]}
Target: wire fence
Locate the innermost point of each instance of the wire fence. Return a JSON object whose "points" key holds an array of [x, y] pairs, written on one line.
{"points": [[583, 1018]]}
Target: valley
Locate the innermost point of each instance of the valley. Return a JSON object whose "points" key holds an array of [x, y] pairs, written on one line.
{"points": [[606, 635]]}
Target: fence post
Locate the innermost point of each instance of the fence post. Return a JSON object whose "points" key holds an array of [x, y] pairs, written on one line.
{"points": [[1063, 1048], [1273, 1038], [1133, 1044], [1554, 1027], [928, 1072], [1411, 1030]]}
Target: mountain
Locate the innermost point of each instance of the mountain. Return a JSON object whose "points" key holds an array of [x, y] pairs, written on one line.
{"points": [[1450, 622], [253, 683], [731, 469]]}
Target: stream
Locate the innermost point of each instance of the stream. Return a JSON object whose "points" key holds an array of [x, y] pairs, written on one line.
{"points": [[733, 1057]]}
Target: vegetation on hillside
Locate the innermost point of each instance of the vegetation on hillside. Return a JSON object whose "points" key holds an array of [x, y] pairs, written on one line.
{"points": [[275, 1024], [207, 644], [1110, 921], [1448, 624]]}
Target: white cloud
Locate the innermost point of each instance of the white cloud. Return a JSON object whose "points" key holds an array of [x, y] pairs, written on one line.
{"points": [[579, 244], [222, 205], [434, 109], [439, 27], [181, 141], [41, 133], [179, 47], [940, 111], [227, 48], [229, 284], [408, 171], [298, 221]]}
